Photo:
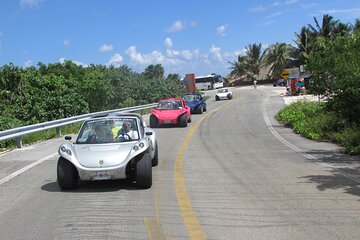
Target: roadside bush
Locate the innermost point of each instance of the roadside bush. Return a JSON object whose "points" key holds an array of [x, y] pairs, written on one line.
{"points": [[313, 121], [349, 137]]}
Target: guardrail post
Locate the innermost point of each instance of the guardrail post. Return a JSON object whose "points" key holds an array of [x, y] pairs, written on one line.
{"points": [[18, 142], [142, 112], [58, 131]]}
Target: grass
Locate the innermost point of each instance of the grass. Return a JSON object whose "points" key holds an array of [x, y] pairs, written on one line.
{"points": [[311, 120]]}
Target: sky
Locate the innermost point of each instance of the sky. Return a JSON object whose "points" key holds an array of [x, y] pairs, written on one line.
{"points": [[197, 36]]}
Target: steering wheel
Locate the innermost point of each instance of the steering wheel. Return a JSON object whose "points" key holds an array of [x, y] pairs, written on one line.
{"points": [[122, 137]]}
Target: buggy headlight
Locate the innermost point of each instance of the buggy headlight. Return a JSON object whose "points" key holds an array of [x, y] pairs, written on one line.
{"points": [[66, 150], [138, 146]]}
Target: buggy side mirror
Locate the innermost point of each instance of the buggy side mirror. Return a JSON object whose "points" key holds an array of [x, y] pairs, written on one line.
{"points": [[68, 138], [148, 133]]}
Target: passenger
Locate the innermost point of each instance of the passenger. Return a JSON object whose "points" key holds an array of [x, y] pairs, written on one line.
{"points": [[115, 128]]}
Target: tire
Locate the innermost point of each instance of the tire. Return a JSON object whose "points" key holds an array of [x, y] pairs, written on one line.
{"points": [[217, 98], [183, 121], [67, 174], [153, 121], [229, 96], [200, 110], [205, 108], [155, 160], [189, 121], [143, 172]]}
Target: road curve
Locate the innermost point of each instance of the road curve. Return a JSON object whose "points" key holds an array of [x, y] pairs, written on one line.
{"points": [[244, 175]]}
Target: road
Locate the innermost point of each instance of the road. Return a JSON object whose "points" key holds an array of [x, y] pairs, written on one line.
{"points": [[233, 173]]}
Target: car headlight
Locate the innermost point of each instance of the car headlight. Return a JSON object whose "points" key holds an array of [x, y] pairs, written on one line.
{"points": [[66, 150], [138, 146]]}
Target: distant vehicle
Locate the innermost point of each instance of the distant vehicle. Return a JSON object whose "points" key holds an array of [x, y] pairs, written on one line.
{"points": [[170, 111], [209, 82], [280, 82], [109, 147], [196, 102], [223, 93]]}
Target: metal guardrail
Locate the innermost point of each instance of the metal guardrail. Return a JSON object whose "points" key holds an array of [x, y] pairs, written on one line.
{"points": [[17, 133]]}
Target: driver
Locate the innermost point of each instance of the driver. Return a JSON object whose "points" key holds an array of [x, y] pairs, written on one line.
{"points": [[127, 131]]}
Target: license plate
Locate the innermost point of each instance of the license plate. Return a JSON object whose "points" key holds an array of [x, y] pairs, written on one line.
{"points": [[167, 121], [102, 175]]}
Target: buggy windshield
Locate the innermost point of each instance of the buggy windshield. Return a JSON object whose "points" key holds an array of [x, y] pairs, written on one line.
{"points": [[169, 105], [191, 97], [109, 130], [222, 90]]}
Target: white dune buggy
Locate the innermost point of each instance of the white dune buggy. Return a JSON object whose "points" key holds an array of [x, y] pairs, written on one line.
{"points": [[223, 93], [103, 150]]}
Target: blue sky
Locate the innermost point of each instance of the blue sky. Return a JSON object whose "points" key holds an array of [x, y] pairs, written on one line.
{"points": [[198, 36]]}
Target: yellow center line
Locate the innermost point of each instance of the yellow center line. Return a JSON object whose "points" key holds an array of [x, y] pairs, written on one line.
{"points": [[153, 228], [192, 224]]}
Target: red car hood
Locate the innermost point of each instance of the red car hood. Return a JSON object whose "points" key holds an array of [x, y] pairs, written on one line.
{"points": [[167, 114]]}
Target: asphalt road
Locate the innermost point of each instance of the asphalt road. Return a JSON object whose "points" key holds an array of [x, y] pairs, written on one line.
{"points": [[233, 173]]}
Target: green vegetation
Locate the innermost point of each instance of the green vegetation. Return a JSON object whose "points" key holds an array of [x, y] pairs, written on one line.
{"points": [[48, 92], [314, 121], [40, 136]]}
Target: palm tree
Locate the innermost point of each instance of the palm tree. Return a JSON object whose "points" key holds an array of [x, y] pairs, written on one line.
{"points": [[342, 28], [327, 27], [250, 64], [356, 26], [305, 43], [278, 56], [254, 59], [238, 68]]}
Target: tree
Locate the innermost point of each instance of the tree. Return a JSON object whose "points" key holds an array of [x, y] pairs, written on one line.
{"points": [[335, 71], [278, 56], [250, 64], [154, 71], [305, 44], [326, 29], [254, 60], [238, 68]]}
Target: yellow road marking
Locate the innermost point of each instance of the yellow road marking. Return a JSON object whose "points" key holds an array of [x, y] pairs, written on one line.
{"points": [[192, 224], [153, 228]]}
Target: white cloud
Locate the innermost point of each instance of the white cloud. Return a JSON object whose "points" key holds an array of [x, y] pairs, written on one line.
{"points": [[267, 23], [30, 3], [106, 48], [355, 11], [288, 2], [168, 43], [309, 5], [172, 53], [234, 54], [193, 24], [62, 60], [116, 60], [137, 57], [221, 30], [262, 8], [259, 8], [29, 63], [66, 42], [187, 54], [215, 52], [176, 26], [274, 14]]}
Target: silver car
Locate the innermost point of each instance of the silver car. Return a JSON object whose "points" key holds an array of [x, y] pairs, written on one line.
{"points": [[223, 93], [117, 146]]}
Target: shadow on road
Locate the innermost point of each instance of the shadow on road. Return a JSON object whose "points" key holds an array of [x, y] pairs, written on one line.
{"points": [[344, 172], [94, 186]]}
